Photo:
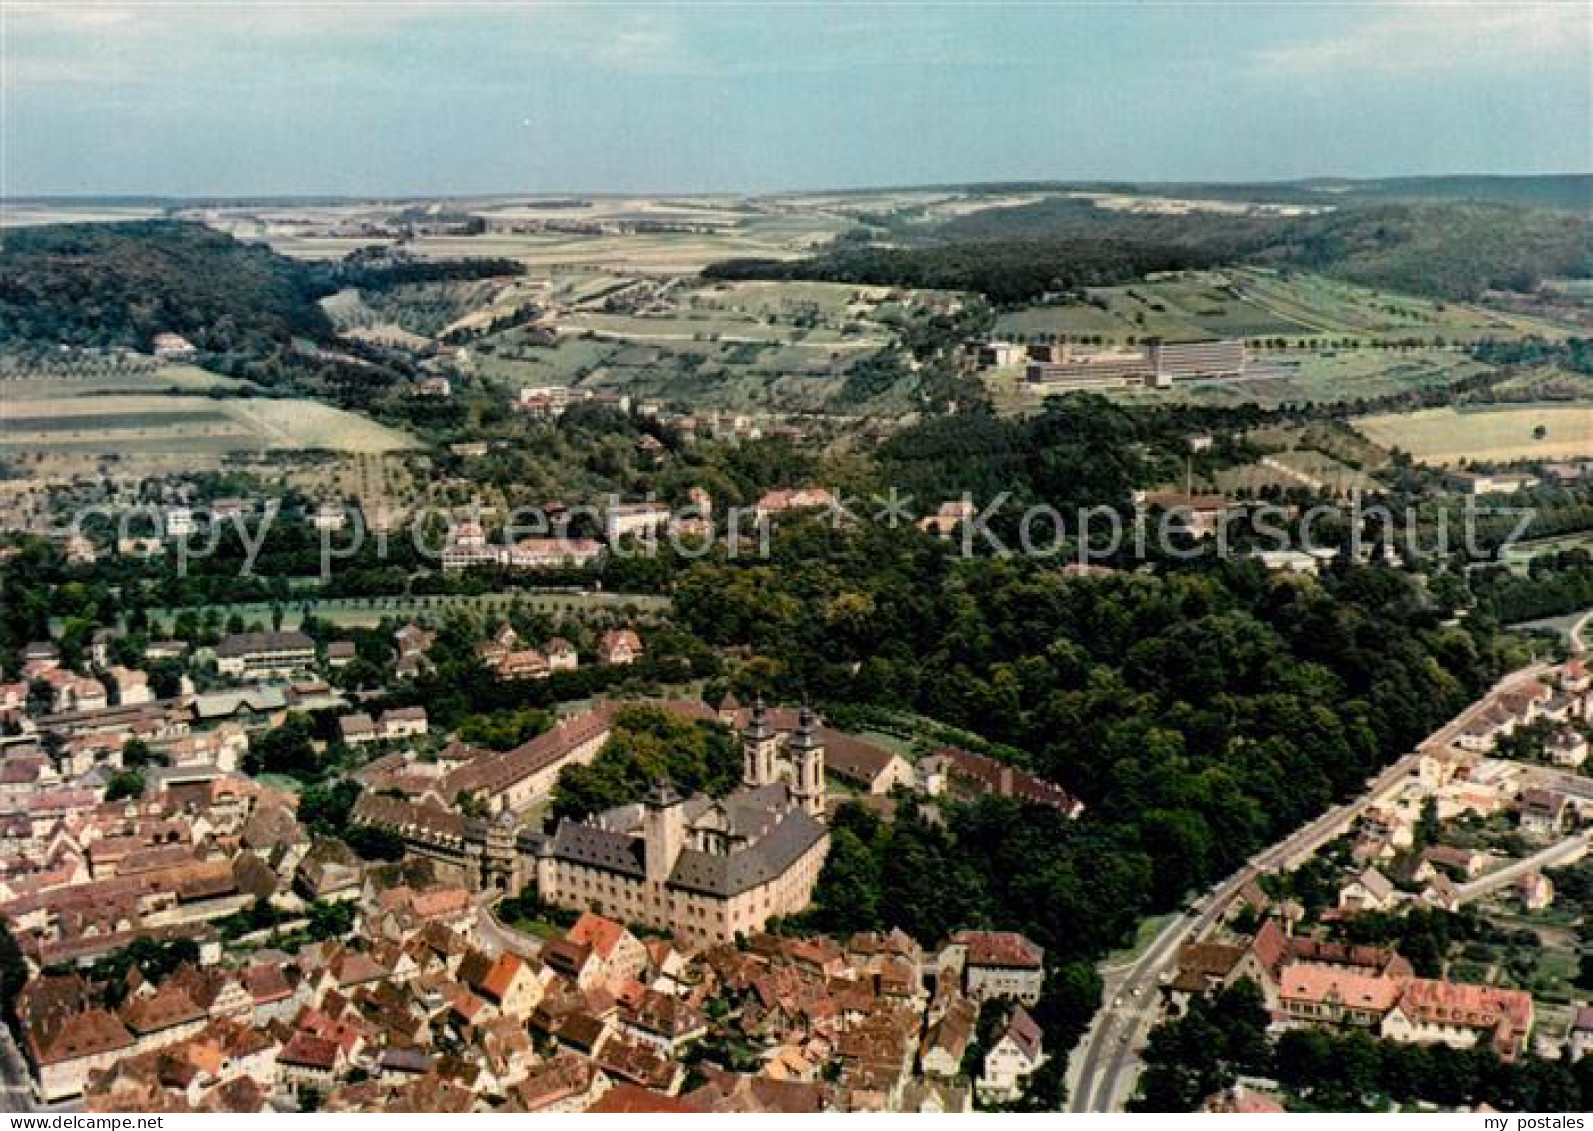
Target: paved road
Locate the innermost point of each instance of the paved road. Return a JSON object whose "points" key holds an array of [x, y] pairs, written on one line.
{"points": [[1572, 785], [1570, 849], [1107, 1056], [495, 938]]}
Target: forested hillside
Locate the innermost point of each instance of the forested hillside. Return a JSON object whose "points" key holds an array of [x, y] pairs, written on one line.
{"points": [[118, 285], [250, 312], [1453, 250], [1007, 270]]}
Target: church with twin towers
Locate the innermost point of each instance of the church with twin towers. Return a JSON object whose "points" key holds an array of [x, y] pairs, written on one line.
{"points": [[707, 869]]}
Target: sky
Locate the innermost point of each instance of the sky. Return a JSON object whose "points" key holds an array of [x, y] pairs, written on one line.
{"points": [[258, 97]]}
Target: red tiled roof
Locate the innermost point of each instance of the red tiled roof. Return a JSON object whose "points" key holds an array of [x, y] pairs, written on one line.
{"points": [[628, 1099], [1000, 948], [593, 930]]}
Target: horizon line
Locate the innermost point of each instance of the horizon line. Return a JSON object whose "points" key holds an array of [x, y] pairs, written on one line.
{"points": [[1009, 184]]}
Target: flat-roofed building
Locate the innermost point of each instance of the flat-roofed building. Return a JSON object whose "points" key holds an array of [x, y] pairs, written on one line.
{"points": [[264, 653], [1187, 361], [1068, 368]]}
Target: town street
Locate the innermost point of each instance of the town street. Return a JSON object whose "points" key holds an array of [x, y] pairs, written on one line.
{"points": [[1563, 852], [1106, 1061], [495, 938]]}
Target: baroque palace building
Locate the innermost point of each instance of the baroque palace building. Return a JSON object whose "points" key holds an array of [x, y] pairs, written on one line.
{"points": [[705, 868]]}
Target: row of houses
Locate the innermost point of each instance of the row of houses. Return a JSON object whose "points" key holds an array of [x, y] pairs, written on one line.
{"points": [[1305, 982]]}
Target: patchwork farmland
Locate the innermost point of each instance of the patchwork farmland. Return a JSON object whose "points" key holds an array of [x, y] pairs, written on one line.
{"points": [[1265, 306], [133, 423]]}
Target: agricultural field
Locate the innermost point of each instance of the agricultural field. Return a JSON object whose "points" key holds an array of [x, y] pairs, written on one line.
{"points": [[1344, 309], [131, 424], [1298, 468], [1521, 554], [1257, 304], [1330, 437], [1272, 380], [742, 346], [661, 253], [83, 373], [26, 214], [1330, 377], [1544, 383], [1577, 290], [1446, 436]]}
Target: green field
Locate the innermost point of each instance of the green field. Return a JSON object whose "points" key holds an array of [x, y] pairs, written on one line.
{"points": [[1256, 304], [741, 346], [1329, 376], [29, 378]]}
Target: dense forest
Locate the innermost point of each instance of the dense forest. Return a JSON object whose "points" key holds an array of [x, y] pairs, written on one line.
{"points": [[118, 285], [1445, 249], [1012, 270], [1200, 715]]}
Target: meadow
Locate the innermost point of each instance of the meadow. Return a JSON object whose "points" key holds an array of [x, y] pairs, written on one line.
{"points": [[1447, 436]]}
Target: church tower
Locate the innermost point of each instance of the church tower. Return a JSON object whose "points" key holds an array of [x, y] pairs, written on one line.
{"points": [[663, 829], [760, 749], [806, 750]]}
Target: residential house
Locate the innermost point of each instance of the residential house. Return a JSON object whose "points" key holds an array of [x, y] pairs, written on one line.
{"points": [[1535, 890], [1369, 891], [562, 656], [356, 729], [798, 499], [1017, 1053], [1544, 813], [619, 646], [1580, 1041], [621, 955], [1568, 748], [132, 686], [946, 1040]]}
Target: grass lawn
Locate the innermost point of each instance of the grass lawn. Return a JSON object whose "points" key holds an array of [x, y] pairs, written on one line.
{"points": [[540, 928], [1144, 934]]}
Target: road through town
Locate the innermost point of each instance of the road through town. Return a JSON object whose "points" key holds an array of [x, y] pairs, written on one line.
{"points": [[1106, 1059]]}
